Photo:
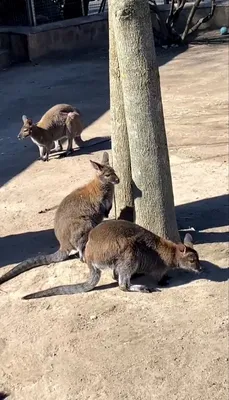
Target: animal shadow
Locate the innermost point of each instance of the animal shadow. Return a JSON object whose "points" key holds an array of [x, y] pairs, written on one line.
{"points": [[179, 277], [3, 395], [91, 145]]}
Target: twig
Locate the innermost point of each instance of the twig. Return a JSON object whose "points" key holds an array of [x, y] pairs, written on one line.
{"points": [[178, 11], [102, 6]]}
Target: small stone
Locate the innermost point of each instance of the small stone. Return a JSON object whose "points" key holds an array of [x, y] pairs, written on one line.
{"points": [[93, 317]]}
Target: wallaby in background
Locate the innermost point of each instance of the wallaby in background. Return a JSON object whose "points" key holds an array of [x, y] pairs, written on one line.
{"points": [[76, 215], [58, 122], [127, 249]]}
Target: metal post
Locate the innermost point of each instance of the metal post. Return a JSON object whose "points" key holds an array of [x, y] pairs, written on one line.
{"points": [[31, 12], [83, 9]]}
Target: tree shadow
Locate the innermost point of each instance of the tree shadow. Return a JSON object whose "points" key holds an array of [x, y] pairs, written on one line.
{"points": [[205, 214]]}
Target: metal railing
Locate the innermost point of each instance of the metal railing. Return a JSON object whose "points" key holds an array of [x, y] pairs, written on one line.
{"points": [[36, 12]]}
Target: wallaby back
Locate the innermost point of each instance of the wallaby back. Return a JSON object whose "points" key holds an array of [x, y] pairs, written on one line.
{"points": [[127, 248], [77, 214]]}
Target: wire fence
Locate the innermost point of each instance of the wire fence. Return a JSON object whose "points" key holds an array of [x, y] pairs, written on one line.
{"points": [[36, 12]]}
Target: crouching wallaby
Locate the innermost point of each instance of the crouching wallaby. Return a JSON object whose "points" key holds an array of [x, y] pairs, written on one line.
{"points": [[58, 122], [76, 215], [127, 249]]}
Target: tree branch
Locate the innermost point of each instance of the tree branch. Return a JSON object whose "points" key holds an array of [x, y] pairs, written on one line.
{"points": [[201, 20], [178, 10], [161, 22], [190, 17]]}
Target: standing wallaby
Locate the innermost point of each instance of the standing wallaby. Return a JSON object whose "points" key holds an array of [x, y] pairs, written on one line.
{"points": [[127, 249], [76, 215], [58, 122]]}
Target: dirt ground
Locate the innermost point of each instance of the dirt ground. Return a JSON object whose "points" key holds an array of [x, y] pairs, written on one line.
{"points": [[109, 345]]}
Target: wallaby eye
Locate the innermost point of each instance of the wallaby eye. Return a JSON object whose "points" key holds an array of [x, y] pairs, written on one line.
{"points": [[107, 175]]}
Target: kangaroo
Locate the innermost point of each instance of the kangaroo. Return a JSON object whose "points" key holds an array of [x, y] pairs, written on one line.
{"points": [[58, 122], [77, 214], [127, 249]]}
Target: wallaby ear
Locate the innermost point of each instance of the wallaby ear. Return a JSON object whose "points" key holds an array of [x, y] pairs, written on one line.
{"points": [[181, 248], [105, 159], [96, 165], [24, 118], [188, 240]]}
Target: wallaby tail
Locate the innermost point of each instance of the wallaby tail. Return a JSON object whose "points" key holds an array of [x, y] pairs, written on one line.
{"points": [[33, 263], [47, 209], [69, 289]]}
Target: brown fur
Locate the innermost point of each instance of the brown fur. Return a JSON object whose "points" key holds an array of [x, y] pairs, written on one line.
{"points": [[58, 122], [127, 249], [76, 215]]}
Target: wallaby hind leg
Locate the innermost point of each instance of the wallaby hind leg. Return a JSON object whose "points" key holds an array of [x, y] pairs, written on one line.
{"points": [[75, 127], [78, 141], [79, 243], [42, 151], [114, 275], [46, 156], [124, 275], [69, 148], [58, 145]]}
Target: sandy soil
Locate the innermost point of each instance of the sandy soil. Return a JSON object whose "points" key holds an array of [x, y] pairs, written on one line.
{"points": [[107, 344]]}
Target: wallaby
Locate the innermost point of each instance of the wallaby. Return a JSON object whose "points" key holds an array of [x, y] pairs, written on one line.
{"points": [[76, 215], [58, 122], [127, 249]]}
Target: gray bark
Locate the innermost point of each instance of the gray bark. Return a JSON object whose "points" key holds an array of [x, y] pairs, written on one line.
{"points": [[140, 80], [120, 144]]}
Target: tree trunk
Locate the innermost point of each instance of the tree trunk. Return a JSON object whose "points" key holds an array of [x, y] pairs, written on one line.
{"points": [[120, 144], [154, 209]]}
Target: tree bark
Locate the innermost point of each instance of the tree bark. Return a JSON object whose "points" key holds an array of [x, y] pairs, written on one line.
{"points": [[120, 144], [154, 209]]}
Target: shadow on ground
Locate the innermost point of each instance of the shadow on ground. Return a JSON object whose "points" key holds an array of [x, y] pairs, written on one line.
{"points": [[32, 89], [205, 214], [16, 248]]}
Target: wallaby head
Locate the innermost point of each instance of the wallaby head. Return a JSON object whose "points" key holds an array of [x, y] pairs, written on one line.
{"points": [[26, 129], [104, 171], [186, 256]]}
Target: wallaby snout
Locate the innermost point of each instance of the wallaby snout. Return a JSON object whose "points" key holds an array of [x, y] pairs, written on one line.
{"points": [[116, 180]]}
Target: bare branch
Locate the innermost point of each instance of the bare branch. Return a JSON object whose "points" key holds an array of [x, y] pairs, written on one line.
{"points": [[190, 17], [170, 16], [201, 20], [160, 19], [178, 9]]}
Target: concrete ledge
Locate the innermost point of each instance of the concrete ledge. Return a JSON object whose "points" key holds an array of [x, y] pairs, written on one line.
{"points": [[66, 38], [33, 43]]}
